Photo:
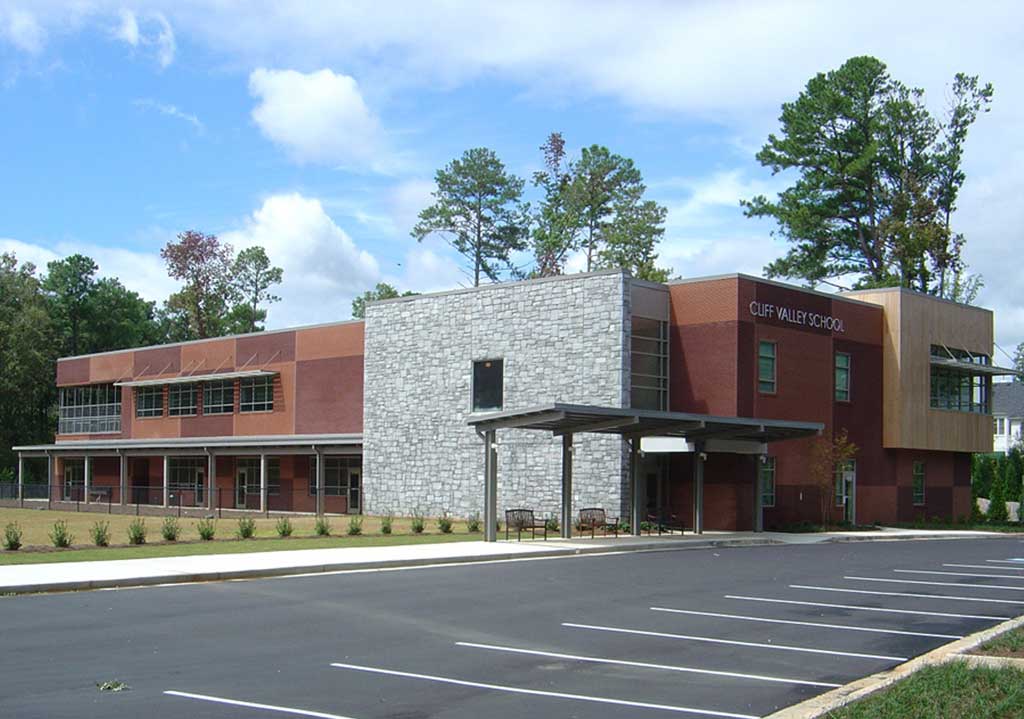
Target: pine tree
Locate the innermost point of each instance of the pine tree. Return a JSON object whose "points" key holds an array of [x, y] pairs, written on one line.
{"points": [[997, 500]]}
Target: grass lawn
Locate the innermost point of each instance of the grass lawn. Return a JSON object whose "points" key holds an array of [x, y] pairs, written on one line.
{"points": [[1010, 644], [947, 691], [36, 525], [966, 526]]}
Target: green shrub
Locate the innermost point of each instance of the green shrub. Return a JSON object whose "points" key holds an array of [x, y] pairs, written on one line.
{"points": [[7, 476], [170, 530], [246, 528], [473, 523], [137, 531], [418, 522], [322, 528], [997, 501], [444, 523], [283, 527], [552, 524], [12, 536], [100, 532], [60, 535], [385, 523], [355, 525], [206, 528]]}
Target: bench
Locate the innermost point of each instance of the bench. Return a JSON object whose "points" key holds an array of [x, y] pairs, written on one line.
{"points": [[594, 518], [520, 519], [665, 521]]}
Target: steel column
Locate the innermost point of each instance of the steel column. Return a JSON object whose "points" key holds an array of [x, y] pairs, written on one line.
{"points": [[123, 475], [636, 489], [87, 478], [567, 440], [490, 488], [321, 472], [21, 478], [698, 488], [167, 480], [211, 479], [758, 495], [263, 483]]}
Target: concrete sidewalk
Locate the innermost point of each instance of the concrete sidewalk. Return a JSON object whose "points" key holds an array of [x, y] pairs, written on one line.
{"points": [[71, 576]]}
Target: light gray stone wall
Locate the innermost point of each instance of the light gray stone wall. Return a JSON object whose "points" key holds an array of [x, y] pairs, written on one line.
{"points": [[562, 339]]}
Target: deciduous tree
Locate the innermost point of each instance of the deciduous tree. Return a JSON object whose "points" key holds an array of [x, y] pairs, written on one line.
{"points": [[382, 291], [829, 454], [203, 264]]}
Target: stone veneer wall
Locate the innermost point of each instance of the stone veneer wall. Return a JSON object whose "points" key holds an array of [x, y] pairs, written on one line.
{"points": [[562, 339]]}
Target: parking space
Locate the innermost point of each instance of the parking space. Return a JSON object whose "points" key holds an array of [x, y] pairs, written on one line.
{"points": [[718, 633]]}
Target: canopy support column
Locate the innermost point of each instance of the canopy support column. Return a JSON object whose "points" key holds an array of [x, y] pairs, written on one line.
{"points": [[636, 488], [211, 479], [167, 480], [490, 488], [321, 471], [21, 479], [698, 488], [263, 483], [123, 475], [567, 440], [87, 478], [758, 495]]}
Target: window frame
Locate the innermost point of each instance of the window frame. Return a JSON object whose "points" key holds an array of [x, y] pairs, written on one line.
{"points": [[149, 412], [918, 473], [220, 407], [767, 469], [178, 389], [848, 369], [254, 406], [654, 348], [774, 381], [839, 480], [473, 386], [89, 409]]}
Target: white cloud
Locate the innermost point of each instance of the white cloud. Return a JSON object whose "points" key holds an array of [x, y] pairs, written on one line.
{"points": [[166, 46], [128, 29], [323, 267], [171, 111], [21, 28], [318, 117]]}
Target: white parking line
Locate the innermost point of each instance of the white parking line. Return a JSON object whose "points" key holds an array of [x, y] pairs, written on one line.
{"points": [[868, 609], [808, 624], [1018, 562], [937, 584], [984, 566], [906, 594], [647, 665], [254, 705], [959, 574], [733, 642], [541, 693]]}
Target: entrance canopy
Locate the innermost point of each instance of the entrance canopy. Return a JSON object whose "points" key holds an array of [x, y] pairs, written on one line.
{"points": [[700, 431]]}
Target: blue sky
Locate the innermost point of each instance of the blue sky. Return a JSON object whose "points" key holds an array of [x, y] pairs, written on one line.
{"points": [[315, 128]]}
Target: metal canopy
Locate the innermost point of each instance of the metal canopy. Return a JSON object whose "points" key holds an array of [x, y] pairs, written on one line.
{"points": [[562, 419], [975, 368], [188, 379], [201, 444]]}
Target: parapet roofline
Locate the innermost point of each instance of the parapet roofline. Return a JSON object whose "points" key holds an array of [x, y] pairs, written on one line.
{"points": [[776, 283], [916, 293], [264, 333]]}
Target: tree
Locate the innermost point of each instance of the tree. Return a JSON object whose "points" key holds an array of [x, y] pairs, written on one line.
{"points": [[997, 499], [203, 264], [828, 455], [479, 210], [252, 276], [878, 180], [383, 291], [1018, 362], [69, 284], [119, 318], [556, 226]]}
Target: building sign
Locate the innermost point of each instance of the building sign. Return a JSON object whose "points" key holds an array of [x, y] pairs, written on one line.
{"points": [[794, 316]]}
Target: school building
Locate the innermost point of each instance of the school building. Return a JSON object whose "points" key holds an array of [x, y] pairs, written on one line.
{"points": [[699, 400]]}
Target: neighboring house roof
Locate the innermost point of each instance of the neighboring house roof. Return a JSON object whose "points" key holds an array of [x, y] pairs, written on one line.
{"points": [[1008, 399]]}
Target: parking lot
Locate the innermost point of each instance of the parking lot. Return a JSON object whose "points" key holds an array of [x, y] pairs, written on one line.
{"points": [[718, 633]]}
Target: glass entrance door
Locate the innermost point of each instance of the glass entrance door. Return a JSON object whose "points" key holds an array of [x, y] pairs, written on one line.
{"points": [[354, 492], [74, 480], [241, 485]]}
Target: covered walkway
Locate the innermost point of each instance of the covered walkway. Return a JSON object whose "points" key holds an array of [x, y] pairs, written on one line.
{"points": [[696, 433]]}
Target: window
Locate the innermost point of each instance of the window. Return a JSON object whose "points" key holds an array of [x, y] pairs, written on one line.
{"points": [[844, 478], [918, 482], [767, 474], [92, 409], [958, 389], [649, 364], [842, 377], [336, 475], [273, 476], [186, 479], [766, 353], [149, 401], [488, 384], [257, 394], [219, 397], [181, 400], [1000, 425]]}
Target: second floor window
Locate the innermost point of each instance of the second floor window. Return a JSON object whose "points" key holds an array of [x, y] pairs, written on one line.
{"points": [[256, 394], [1000, 425], [181, 400], [766, 369], [149, 401], [92, 409], [842, 377], [488, 384], [219, 397]]}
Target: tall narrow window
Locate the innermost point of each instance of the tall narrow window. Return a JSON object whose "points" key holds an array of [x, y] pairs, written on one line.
{"points": [[256, 394], [767, 474], [918, 482], [219, 397], [181, 400], [766, 369], [649, 363], [149, 401], [488, 384], [842, 377]]}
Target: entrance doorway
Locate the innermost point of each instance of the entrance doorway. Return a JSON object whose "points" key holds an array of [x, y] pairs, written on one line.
{"points": [[244, 474], [846, 490], [74, 480]]}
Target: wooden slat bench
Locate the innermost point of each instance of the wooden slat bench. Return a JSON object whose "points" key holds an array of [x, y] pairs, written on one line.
{"points": [[520, 519], [594, 518]]}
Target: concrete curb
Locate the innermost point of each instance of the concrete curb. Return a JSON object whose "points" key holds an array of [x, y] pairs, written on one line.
{"points": [[180, 578], [824, 703], [979, 660], [909, 537]]}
